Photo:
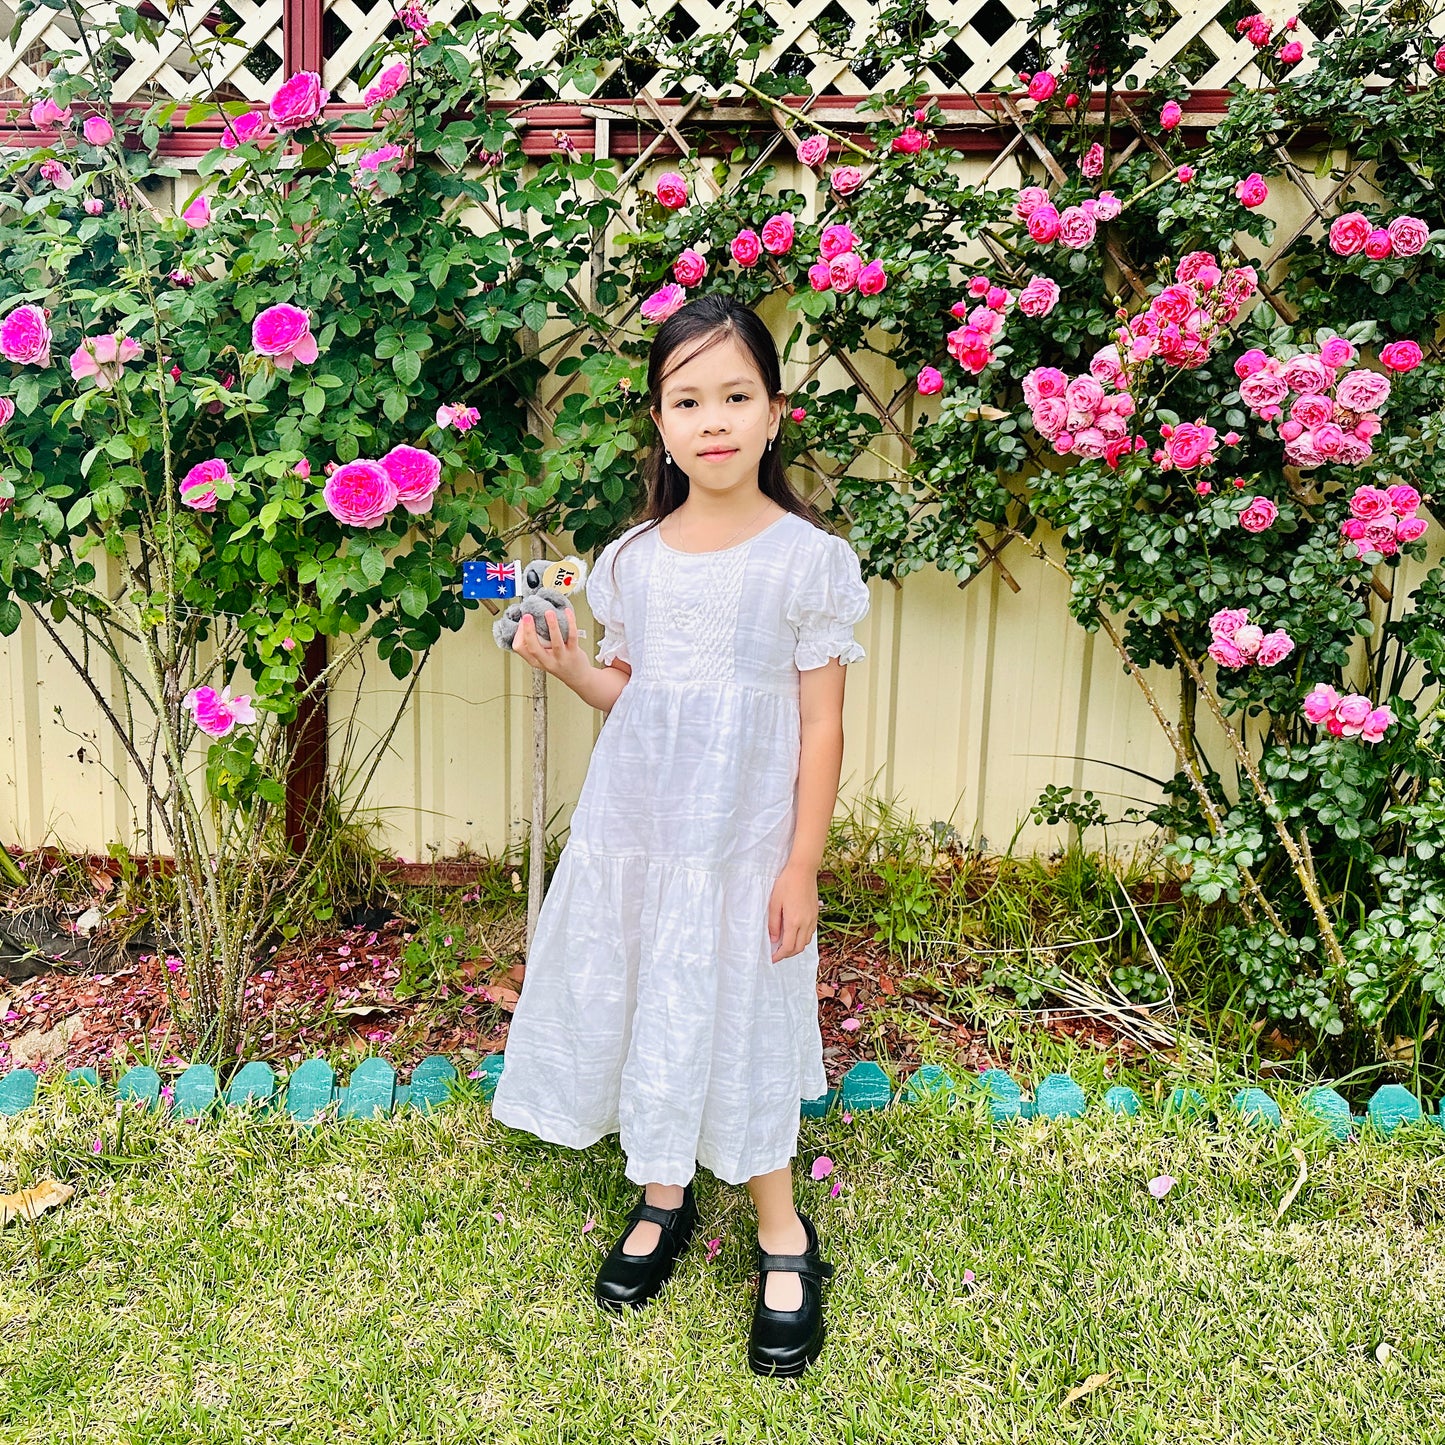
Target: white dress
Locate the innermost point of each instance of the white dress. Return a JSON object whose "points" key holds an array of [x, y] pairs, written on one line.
{"points": [[651, 1006]]}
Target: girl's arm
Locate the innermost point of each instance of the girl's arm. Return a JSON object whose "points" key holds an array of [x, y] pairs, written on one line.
{"points": [[793, 905], [599, 687]]}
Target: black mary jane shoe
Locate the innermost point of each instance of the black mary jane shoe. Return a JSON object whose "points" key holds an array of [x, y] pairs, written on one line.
{"points": [[786, 1342], [629, 1280]]}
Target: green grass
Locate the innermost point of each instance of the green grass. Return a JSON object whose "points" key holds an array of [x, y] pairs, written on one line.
{"points": [[253, 1280]]}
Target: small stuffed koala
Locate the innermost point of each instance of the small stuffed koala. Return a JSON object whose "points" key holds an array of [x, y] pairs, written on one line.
{"points": [[540, 585]]}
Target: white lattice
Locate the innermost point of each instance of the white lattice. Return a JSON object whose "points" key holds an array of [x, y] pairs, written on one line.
{"points": [[172, 71]]}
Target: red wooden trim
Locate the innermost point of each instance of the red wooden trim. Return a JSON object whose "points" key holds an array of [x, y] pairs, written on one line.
{"points": [[302, 36]]}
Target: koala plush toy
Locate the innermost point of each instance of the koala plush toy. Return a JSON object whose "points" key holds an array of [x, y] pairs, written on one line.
{"points": [[540, 585]]}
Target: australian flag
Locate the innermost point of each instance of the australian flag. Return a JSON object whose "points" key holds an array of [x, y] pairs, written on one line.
{"points": [[489, 579]]}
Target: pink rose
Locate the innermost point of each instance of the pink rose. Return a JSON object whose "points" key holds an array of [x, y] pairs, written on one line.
{"points": [[1263, 389], [1401, 355], [46, 115], [690, 267], [97, 130], [1170, 115], [1337, 353], [1190, 445], [1310, 411], [1328, 439], [1363, 391], [671, 191], [846, 179], [1253, 360], [1044, 381], [663, 302], [930, 380], [1370, 504], [1226, 654], [1107, 206], [1378, 244], [1184, 175], [1352, 710], [103, 357], [798, 413], [92, 205], [1348, 233], [1029, 200], [1227, 621], [1084, 394], [1306, 373], [997, 298], [1090, 443], [198, 486], [1049, 415], [1076, 228], [7, 411], [1092, 165], [464, 418], [56, 173], [1373, 727], [843, 271], [1439, 61], [1039, 297], [820, 276], [299, 101], [243, 129], [283, 332], [746, 248], [872, 279], [1174, 303], [1042, 85], [1410, 529], [778, 234], [216, 713], [1259, 515], [835, 240], [416, 474], [1043, 224], [910, 141], [360, 494], [1252, 191], [198, 214], [1403, 499], [1274, 647], [1319, 702], [387, 84], [370, 163], [1291, 53], [813, 151], [1289, 430], [1409, 235]]}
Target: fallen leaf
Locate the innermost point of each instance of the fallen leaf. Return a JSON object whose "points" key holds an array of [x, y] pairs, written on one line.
{"points": [[29, 1203], [1087, 1388], [826, 990], [1304, 1173], [886, 984]]}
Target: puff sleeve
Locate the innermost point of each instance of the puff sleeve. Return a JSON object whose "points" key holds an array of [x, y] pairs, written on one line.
{"points": [[831, 597], [606, 604]]}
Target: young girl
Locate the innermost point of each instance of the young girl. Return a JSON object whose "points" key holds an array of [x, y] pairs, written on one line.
{"points": [[670, 990]]}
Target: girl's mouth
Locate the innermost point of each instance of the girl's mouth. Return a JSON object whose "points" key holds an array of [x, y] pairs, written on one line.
{"points": [[717, 452]]}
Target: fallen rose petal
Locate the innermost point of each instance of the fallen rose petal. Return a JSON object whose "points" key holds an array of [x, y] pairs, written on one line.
{"points": [[822, 1167], [1161, 1185]]}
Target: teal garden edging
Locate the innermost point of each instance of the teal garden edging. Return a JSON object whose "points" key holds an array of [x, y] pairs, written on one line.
{"points": [[373, 1091]]}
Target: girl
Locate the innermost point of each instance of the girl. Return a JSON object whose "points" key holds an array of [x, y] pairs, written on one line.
{"points": [[670, 992]]}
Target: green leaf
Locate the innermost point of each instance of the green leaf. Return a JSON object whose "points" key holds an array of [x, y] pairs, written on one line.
{"points": [[407, 366], [27, 395], [9, 617], [400, 662], [78, 513], [534, 315], [313, 400], [413, 600], [373, 564]]}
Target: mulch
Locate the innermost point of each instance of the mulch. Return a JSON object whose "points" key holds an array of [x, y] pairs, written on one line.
{"points": [[334, 994]]}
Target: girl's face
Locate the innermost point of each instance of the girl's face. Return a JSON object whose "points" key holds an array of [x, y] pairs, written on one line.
{"points": [[716, 417]]}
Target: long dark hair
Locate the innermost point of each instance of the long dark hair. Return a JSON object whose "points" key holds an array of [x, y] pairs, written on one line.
{"points": [[692, 329]]}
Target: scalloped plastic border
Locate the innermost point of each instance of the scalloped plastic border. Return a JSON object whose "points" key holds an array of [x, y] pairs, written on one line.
{"points": [[373, 1092]]}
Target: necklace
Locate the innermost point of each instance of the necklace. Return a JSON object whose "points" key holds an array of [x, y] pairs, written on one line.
{"points": [[725, 545]]}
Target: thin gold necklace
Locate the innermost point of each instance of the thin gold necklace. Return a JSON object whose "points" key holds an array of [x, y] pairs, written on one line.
{"points": [[726, 544]]}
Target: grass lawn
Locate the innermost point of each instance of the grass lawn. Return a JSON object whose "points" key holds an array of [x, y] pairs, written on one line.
{"points": [[430, 1279]]}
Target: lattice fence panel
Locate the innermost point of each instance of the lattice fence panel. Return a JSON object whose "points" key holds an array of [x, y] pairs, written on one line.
{"points": [[189, 63]]}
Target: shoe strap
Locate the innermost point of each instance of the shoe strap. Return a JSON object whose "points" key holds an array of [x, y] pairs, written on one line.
{"points": [[667, 1218], [808, 1264]]}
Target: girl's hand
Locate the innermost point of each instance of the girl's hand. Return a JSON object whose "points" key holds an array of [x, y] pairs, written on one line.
{"points": [[564, 660], [793, 911]]}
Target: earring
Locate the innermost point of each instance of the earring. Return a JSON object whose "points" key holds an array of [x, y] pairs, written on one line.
{"points": [[668, 455]]}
